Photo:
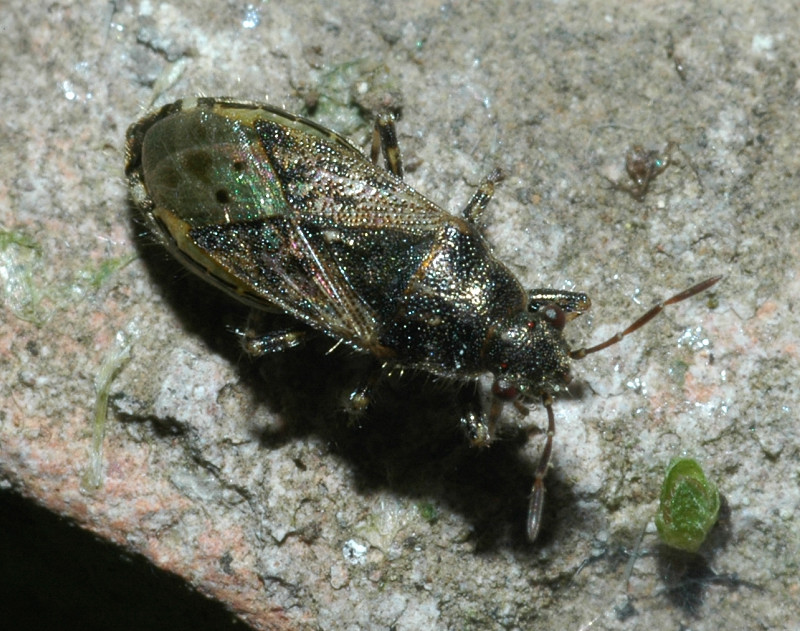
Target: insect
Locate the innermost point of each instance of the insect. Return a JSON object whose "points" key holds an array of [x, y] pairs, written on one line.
{"points": [[288, 216], [645, 165]]}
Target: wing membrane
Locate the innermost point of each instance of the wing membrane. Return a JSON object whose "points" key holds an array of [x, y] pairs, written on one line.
{"points": [[328, 186], [337, 234], [277, 261]]}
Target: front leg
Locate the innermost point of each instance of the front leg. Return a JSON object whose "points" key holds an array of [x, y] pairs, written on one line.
{"points": [[536, 504], [501, 393], [478, 426]]}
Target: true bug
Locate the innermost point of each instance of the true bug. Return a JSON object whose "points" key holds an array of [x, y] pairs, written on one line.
{"points": [[288, 216], [645, 165]]}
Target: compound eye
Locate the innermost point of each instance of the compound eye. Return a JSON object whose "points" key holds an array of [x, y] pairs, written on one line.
{"points": [[554, 315]]}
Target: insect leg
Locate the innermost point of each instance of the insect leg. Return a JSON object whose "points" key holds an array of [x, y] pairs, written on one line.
{"points": [[537, 493], [478, 427], [272, 342], [360, 398], [267, 332], [384, 139], [480, 198]]}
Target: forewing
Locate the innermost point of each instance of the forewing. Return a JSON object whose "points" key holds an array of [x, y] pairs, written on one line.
{"points": [[278, 262], [329, 183], [282, 212]]}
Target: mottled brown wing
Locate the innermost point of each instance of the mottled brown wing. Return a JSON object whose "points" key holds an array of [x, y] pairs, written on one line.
{"points": [[329, 183], [310, 225], [279, 263]]}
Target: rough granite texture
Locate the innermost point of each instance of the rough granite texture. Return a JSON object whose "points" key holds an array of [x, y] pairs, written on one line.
{"points": [[242, 477]]}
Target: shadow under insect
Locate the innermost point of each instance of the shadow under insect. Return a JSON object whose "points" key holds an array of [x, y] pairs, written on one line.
{"points": [[410, 441]]}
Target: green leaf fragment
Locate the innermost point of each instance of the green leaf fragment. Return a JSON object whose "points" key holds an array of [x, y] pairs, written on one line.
{"points": [[689, 506]]}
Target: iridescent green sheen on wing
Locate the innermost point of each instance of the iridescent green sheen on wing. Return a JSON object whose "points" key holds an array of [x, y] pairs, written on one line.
{"points": [[208, 169]]}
